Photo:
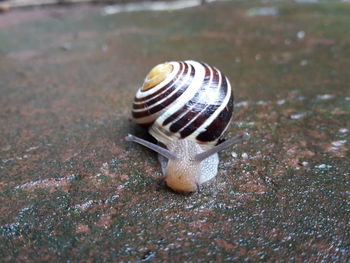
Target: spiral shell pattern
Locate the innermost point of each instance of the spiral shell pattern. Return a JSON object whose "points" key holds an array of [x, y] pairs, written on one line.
{"points": [[184, 100]]}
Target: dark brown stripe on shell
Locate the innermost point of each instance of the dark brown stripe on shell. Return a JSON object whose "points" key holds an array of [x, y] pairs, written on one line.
{"points": [[216, 128], [192, 105], [168, 101], [182, 70], [209, 110]]}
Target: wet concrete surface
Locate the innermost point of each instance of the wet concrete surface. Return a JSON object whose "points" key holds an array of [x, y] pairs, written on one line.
{"points": [[71, 188]]}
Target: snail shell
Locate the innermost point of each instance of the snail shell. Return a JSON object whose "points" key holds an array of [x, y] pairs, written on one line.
{"points": [[186, 106], [184, 100]]}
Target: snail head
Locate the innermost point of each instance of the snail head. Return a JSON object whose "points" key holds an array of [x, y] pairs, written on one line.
{"points": [[185, 158]]}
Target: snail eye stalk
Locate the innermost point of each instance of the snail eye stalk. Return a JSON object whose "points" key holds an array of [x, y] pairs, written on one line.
{"points": [[201, 156], [162, 151]]}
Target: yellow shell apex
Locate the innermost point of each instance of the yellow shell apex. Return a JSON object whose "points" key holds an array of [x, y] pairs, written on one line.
{"points": [[156, 75]]}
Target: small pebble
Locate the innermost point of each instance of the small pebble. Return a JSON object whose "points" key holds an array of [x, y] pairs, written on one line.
{"points": [[261, 102], [66, 46], [323, 166], [343, 130], [297, 116], [245, 156], [245, 124], [281, 102], [263, 11], [32, 148], [325, 97], [234, 155], [242, 103], [339, 143], [304, 62], [301, 34]]}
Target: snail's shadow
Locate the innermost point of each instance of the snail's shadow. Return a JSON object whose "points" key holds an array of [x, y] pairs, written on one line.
{"points": [[140, 131]]}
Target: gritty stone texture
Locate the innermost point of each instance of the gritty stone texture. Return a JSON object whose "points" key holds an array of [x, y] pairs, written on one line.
{"points": [[73, 190]]}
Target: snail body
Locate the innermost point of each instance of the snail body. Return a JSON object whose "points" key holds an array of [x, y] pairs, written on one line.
{"points": [[186, 174], [186, 106]]}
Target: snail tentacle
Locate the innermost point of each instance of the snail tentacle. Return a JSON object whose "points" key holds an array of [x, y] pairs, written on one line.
{"points": [[166, 153], [222, 146]]}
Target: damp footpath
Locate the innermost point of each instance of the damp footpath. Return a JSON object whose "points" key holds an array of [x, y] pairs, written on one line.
{"points": [[71, 188]]}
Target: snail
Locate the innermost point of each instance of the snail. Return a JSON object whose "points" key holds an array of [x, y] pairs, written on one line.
{"points": [[187, 106]]}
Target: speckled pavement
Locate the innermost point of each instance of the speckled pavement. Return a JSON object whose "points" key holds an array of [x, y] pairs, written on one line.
{"points": [[73, 190]]}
